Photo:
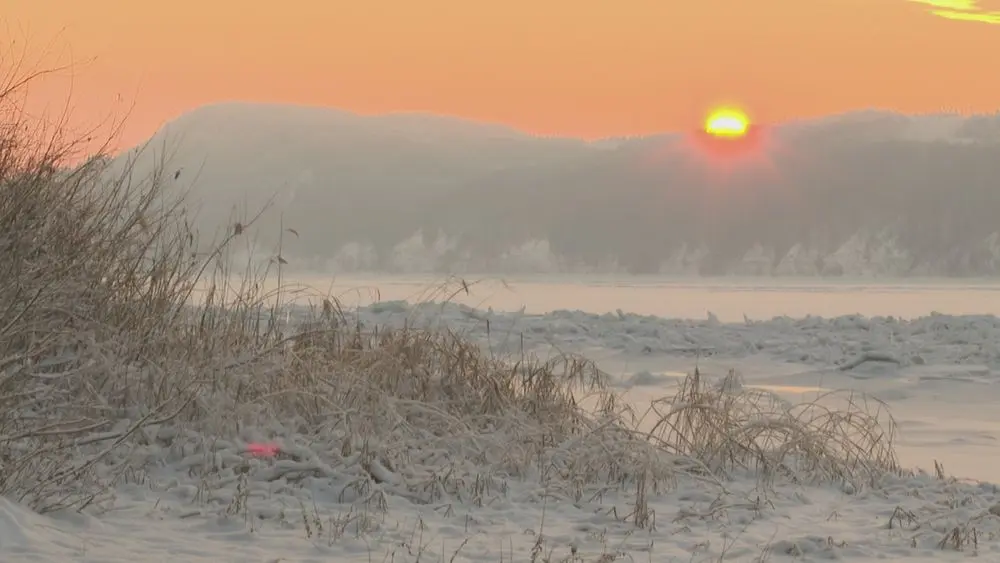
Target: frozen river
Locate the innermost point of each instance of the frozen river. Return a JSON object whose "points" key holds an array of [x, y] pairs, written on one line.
{"points": [[728, 299]]}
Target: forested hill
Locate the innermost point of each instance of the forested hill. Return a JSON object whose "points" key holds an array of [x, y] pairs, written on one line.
{"points": [[869, 193]]}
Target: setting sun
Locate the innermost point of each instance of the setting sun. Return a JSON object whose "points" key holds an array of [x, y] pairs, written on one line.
{"points": [[727, 122]]}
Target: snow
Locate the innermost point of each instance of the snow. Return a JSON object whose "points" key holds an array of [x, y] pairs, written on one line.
{"points": [[811, 341], [218, 500]]}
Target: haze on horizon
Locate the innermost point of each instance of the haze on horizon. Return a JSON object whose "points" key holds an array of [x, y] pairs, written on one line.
{"points": [[859, 194]]}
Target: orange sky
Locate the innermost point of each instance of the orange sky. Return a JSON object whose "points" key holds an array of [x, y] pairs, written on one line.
{"points": [[577, 67]]}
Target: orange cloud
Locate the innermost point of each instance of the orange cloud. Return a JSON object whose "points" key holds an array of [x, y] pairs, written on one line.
{"points": [[961, 10]]}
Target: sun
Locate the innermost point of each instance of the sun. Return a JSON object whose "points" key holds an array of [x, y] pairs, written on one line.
{"points": [[727, 123], [729, 141]]}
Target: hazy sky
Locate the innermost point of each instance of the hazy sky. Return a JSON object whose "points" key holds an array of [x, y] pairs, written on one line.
{"points": [[578, 67]]}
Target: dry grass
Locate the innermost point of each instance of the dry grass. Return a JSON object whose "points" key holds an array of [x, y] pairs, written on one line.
{"points": [[840, 436], [98, 339]]}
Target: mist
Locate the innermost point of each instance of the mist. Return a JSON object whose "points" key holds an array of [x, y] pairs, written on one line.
{"points": [[862, 194]]}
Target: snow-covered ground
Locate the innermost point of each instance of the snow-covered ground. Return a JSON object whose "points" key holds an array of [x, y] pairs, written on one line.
{"points": [[940, 375]]}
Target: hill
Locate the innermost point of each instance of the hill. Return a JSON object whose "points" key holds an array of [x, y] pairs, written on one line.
{"points": [[866, 193]]}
